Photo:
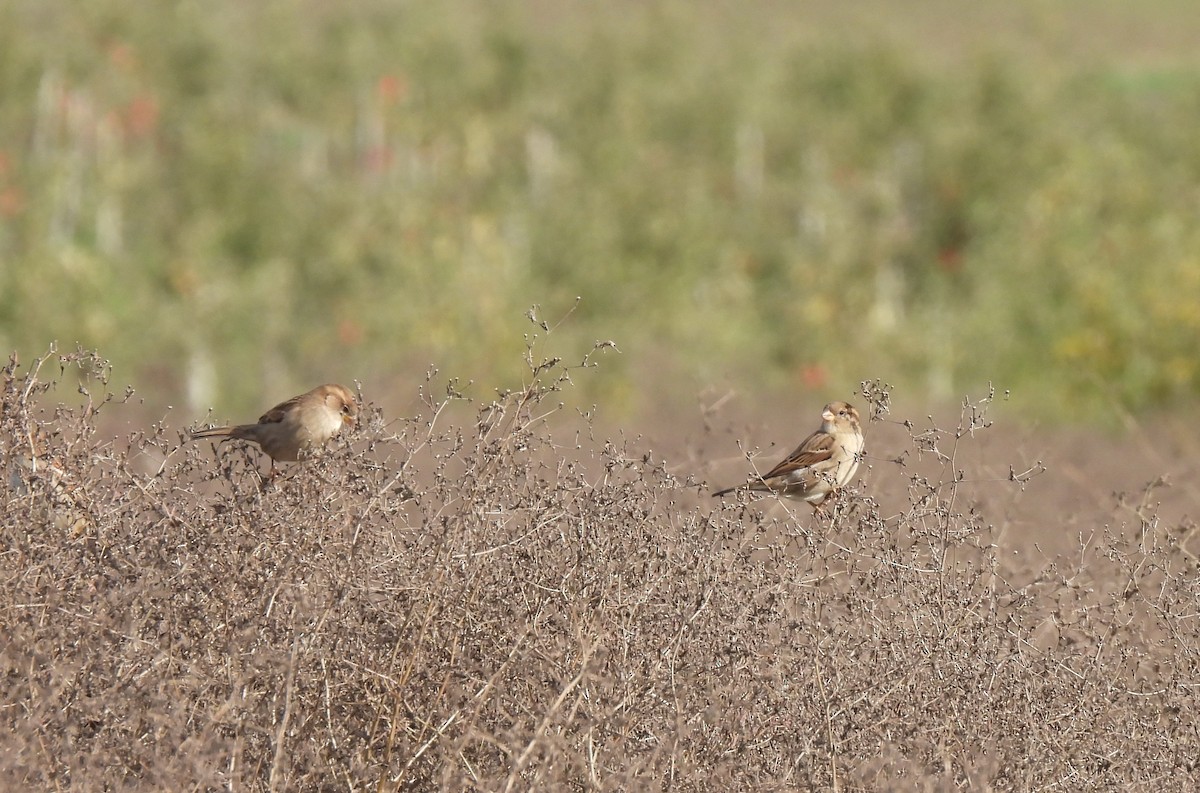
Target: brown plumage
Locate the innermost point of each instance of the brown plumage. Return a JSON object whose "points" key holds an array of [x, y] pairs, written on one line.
{"points": [[297, 428], [825, 462]]}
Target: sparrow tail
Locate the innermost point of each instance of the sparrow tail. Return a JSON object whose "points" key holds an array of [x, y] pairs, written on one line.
{"points": [[214, 432]]}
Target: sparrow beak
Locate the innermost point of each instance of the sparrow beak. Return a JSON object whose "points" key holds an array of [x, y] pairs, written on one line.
{"points": [[827, 415]]}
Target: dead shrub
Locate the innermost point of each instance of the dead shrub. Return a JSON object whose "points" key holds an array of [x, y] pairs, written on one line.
{"points": [[504, 602]]}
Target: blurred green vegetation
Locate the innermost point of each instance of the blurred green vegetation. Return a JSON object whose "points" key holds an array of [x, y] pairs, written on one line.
{"points": [[233, 201]]}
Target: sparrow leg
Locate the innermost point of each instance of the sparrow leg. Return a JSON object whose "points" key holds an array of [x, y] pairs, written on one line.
{"points": [[266, 481], [830, 497]]}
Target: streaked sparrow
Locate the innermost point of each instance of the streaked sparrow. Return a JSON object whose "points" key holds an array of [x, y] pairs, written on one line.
{"points": [[821, 465]]}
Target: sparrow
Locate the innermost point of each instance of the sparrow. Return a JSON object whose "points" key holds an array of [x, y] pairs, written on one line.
{"points": [[822, 464], [298, 428]]}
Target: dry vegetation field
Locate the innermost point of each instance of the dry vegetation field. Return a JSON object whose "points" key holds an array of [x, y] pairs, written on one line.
{"points": [[495, 595]]}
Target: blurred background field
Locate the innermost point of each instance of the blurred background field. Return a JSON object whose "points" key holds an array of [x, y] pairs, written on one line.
{"points": [[234, 201]]}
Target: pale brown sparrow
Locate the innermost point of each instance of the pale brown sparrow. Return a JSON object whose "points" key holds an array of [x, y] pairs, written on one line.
{"points": [[822, 464], [297, 428]]}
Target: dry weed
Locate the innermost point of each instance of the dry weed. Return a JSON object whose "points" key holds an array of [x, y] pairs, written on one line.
{"points": [[505, 603]]}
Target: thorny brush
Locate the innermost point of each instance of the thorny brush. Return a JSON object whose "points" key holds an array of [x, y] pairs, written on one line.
{"points": [[476, 605]]}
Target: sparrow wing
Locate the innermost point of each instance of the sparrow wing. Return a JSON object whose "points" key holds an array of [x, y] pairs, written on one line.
{"points": [[277, 413], [816, 448]]}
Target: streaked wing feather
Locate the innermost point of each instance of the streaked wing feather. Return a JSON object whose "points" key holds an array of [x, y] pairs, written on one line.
{"points": [[816, 448], [276, 414]]}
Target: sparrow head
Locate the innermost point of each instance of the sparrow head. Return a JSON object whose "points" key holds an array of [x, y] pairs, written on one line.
{"points": [[840, 417], [340, 400]]}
